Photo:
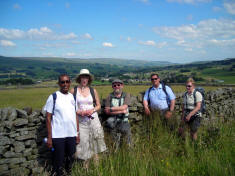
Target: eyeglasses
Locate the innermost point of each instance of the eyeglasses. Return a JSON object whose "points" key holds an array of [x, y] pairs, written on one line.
{"points": [[154, 79], [66, 81], [116, 85], [188, 86]]}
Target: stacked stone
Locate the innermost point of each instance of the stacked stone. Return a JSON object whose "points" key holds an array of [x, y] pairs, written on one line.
{"points": [[21, 149], [221, 103]]}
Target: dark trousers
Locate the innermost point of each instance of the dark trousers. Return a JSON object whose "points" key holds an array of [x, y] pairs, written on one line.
{"points": [[64, 149]]}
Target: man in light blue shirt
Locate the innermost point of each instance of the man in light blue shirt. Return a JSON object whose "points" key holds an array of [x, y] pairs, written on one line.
{"points": [[159, 98]]}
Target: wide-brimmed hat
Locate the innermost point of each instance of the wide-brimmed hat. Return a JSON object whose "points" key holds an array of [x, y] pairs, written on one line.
{"points": [[84, 72], [117, 81]]}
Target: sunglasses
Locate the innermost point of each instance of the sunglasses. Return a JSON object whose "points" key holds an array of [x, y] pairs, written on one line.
{"points": [[188, 86], [154, 79], [116, 85], [66, 81]]}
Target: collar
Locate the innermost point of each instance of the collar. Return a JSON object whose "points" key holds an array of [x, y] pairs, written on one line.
{"points": [[159, 87], [192, 92]]}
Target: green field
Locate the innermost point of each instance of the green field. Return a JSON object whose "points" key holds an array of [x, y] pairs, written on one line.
{"points": [[161, 152], [36, 97]]}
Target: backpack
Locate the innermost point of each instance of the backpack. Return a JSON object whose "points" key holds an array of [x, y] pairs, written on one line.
{"points": [[164, 89], [54, 100], [203, 105], [92, 94]]}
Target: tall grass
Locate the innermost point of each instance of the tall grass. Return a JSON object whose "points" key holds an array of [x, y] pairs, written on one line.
{"points": [[159, 151]]}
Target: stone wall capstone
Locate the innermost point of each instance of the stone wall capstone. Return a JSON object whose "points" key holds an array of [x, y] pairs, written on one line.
{"points": [[22, 151]]}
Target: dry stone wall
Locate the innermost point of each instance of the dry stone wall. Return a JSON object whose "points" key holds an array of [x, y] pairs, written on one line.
{"points": [[22, 151]]}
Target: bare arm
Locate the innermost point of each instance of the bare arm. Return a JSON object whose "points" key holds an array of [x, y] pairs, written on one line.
{"points": [[146, 107], [98, 106], [72, 91], [172, 106], [49, 131]]}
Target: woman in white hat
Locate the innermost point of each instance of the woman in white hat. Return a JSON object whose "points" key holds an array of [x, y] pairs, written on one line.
{"points": [[87, 105]]}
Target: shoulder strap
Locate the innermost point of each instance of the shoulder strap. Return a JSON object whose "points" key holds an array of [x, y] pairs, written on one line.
{"points": [[119, 99], [185, 98], [75, 92], [194, 97], [93, 95], [54, 101], [167, 96], [148, 95]]}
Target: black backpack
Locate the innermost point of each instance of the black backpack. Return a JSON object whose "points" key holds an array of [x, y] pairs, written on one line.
{"points": [[164, 89], [203, 105], [92, 94]]}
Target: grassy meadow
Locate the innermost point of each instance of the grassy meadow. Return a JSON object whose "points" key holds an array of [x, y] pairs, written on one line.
{"points": [[161, 152], [36, 97]]}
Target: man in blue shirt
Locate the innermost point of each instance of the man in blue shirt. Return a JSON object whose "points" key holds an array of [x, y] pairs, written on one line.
{"points": [[158, 99]]}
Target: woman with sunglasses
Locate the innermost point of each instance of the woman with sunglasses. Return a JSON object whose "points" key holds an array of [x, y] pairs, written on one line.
{"points": [[91, 131], [191, 115]]}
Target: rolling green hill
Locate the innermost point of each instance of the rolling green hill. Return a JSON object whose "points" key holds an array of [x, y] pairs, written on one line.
{"points": [[37, 68]]}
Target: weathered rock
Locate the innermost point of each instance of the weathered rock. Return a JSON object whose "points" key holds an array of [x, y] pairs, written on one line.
{"points": [[28, 110], [3, 167], [20, 122], [19, 146], [21, 114], [4, 140], [27, 152], [10, 154], [25, 137], [19, 171]]}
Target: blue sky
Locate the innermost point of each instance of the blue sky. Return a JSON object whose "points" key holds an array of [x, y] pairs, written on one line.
{"points": [[178, 31]]}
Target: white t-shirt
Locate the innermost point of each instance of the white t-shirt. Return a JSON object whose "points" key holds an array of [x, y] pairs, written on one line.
{"points": [[63, 122]]}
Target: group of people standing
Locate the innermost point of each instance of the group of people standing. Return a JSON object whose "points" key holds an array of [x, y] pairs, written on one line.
{"points": [[74, 128]]}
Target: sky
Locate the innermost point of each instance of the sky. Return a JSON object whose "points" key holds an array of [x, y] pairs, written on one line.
{"points": [[178, 31]]}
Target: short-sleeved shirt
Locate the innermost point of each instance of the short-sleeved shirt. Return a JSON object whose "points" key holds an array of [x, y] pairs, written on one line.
{"points": [[116, 102], [158, 97], [189, 99], [63, 121]]}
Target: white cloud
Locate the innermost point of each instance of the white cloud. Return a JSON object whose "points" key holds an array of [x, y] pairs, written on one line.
{"points": [[230, 7], [217, 9], [161, 44], [7, 43], [87, 36], [44, 33], [206, 33], [189, 1], [107, 44], [203, 30], [148, 43], [128, 39], [70, 54], [144, 1], [17, 6]]}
